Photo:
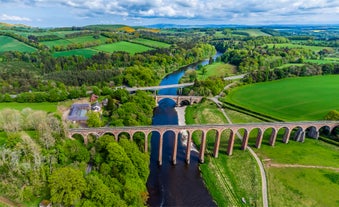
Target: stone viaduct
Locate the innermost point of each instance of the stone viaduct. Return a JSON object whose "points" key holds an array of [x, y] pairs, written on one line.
{"points": [[299, 130], [179, 100]]}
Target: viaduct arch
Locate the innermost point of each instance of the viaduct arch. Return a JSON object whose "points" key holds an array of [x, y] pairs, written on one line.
{"points": [[299, 130], [179, 99]]}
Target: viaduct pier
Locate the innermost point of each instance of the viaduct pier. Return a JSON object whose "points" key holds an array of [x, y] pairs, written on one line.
{"points": [[291, 130]]}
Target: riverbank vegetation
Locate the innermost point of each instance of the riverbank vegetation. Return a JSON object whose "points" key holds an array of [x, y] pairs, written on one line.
{"points": [[231, 180]]}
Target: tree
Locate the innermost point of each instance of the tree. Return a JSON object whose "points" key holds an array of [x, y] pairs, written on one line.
{"points": [[94, 119], [10, 120], [67, 186], [332, 115], [100, 193]]}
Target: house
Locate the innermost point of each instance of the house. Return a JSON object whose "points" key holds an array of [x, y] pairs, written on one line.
{"points": [[93, 98], [96, 107], [77, 113]]}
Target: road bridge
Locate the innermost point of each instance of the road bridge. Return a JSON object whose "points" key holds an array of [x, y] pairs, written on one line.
{"points": [[182, 85], [156, 88], [294, 130]]}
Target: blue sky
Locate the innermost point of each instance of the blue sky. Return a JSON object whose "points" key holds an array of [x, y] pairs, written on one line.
{"points": [[57, 13]]}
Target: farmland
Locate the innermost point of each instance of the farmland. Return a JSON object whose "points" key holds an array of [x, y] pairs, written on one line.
{"points": [[123, 46], [253, 32], [48, 107], [10, 44], [77, 40], [285, 181], [217, 70], [87, 52], [292, 99], [290, 45], [150, 43]]}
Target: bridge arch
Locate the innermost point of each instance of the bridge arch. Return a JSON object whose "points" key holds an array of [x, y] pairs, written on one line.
{"points": [[298, 134], [216, 132], [110, 134], [312, 132]]}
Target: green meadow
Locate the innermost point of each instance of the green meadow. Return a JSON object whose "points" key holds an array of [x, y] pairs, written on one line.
{"points": [[290, 45], [11, 44], [150, 43], [228, 178], [87, 52], [45, 106], [61, 42], [323, 61], [217, 69], [254, 32], [292, 99], [301, 186], [123, 46], [76, 40]]}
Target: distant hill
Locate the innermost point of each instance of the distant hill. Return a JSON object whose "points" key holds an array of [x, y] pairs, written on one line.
{"points": [[4, 24]]}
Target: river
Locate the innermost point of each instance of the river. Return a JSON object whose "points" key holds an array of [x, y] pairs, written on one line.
{"points": [[180, 184]]}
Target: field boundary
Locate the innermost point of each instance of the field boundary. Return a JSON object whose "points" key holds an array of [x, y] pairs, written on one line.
{"points": [[276, 165], [249, 112]]}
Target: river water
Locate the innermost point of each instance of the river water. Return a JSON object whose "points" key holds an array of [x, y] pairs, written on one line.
{"points": [[180, 184]]}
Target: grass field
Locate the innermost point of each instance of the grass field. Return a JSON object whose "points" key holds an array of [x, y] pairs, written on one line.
{"points": [[229, 179], [76, 40], [290, 45], [296, 186], [61, 42], [300, 186], [49, 107], [323, 61], [217, 69], [10, 44], [87, 52], [150, 43], [123, 46], [254, 32], [293, 99]]}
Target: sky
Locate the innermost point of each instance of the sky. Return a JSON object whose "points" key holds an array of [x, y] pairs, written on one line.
{"points": [[59, 13]]}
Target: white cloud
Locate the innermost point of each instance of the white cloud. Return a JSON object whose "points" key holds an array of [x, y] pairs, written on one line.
{"points": [[5, 17], [221, 11]]}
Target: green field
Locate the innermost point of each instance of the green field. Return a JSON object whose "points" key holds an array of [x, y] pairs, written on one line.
{"points": [[10, 44], [317, 183], [254, 32], [76, 40], [323, 61], [228, 178], [293, 99], [87, 52], [290, 45], [150, 43], [296, 186], [88, 38], [46, 106], [123, 46], [61, 42], [217, 69]]}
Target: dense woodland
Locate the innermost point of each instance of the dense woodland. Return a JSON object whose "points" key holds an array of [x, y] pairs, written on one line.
{"points": [[37, 160]]}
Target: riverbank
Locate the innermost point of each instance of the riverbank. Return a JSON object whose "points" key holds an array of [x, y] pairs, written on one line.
{"points": [[181, 115]]}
